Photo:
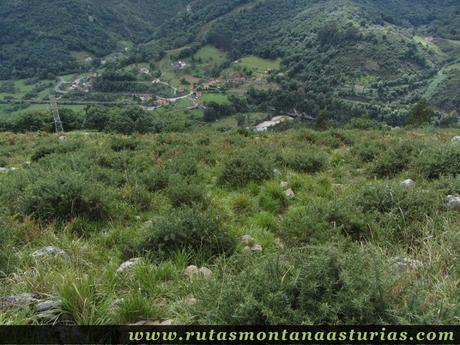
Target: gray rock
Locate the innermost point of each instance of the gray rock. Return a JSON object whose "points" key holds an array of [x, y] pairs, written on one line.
{"points": [[49, 251], [3, 170], [190, 301], [453, 202], [247, 240], [290, 193], [20, 300], [49, 316], [62, 138], [456, 139], [48, 305], [409, 183], [279, 243], [206, 272], [403, 264], [284, 185], [257, 248], [191, 271], [127, 265]]}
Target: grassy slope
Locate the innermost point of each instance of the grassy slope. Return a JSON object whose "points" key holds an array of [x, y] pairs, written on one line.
{"points": [[157, 290]]}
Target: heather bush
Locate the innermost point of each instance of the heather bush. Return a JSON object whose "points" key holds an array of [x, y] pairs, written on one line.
{"points": [[311, 285], [392, 201], [395, 159], [184, 165], [191, 229], [155, 180], [119, 144], [6, 243], [272, 198], [62, 196], [321, 220], [181, 191], [438, 161], [308, 161], [54, 148], [368, 151], [246, 166]]}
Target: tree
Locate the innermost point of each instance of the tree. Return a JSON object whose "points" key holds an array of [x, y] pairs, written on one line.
{"points": [[323, 119], [421, 114]]}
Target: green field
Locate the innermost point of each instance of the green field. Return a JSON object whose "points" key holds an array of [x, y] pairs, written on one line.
{"points": [[215, 97], [258, 64], [210, 55]]}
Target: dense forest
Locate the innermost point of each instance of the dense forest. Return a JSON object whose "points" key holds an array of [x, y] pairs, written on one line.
{"points": [[37, 37]]}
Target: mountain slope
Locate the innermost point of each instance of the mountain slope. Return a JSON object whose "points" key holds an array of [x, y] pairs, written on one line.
{"points": [[36, 37], [387, 50]]}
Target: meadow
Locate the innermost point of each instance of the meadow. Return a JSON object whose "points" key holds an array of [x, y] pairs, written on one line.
{"points": [[295, 227]]}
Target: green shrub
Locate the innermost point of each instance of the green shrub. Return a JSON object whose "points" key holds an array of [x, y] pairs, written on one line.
{"points": [[368, 151], [64, 196], [137, 196], [124, 144], [320, 220], [272, 198], [6, 243], [191, 229], [328, 284], [155, 180], [186, 192], [58, 147], [309, 161], [364, 122], [336, 138], [396, 214], [448, 185], [266, 220], [244, 167], [185, 166], [396, 202], [242, 204], [396, 159], [438, 161]]}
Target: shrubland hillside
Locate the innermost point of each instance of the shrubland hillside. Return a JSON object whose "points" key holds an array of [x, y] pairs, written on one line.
{"points": [[295, 227]]}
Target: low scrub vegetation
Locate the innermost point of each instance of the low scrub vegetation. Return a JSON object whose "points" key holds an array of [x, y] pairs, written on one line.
{"points": [[296, 227]]}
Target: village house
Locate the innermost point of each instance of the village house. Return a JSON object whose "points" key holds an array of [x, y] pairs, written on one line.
{"points": [[161, 102], [144, 70], [179, 64], [145, 98]]}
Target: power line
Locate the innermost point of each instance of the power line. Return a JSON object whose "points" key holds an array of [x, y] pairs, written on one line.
{"points": [[55, 110]]}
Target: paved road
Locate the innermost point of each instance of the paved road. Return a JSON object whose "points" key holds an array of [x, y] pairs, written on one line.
{"points": [[58, 86]]}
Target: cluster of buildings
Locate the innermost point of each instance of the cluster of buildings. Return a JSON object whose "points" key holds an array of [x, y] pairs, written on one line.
{"points": [[82, 84], [179, 65]]}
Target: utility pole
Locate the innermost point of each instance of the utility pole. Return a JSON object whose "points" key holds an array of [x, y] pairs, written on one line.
{"points": [[55, 110]]}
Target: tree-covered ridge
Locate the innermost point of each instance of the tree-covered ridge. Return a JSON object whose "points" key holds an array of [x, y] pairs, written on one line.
{"points": [[37, 37]]}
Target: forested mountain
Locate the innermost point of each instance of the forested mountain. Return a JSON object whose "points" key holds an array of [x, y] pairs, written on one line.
{"points": [[36, 37], [336, 54], [387, 50]]}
